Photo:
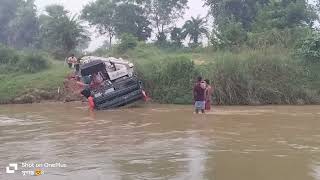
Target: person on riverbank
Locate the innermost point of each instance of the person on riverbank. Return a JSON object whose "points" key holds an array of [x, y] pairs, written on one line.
{"points": [[209, 91], [199, 92], [71, 60], [77, 66]]}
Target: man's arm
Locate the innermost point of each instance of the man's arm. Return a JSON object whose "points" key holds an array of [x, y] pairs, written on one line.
{"points": [[194, 93]]}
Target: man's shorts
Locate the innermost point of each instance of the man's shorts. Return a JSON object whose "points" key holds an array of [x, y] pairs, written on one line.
{"points": [[200, 105]]}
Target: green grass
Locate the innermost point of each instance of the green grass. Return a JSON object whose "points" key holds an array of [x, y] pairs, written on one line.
{"points": [[15, 84]]}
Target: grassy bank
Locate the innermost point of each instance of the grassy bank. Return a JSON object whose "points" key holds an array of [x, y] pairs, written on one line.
{"points": [[17, 84], [28, 75], [244, 77]]}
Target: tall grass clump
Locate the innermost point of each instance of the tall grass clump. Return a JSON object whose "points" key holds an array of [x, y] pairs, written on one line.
{"points": [[168, 80], [245, 77], [268, 76]]}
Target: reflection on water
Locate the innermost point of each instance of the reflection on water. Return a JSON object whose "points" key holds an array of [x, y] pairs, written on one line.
{"points": [[162, 142]]}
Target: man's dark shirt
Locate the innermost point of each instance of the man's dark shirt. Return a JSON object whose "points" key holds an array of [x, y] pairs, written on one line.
{"points": [[198, 92]]}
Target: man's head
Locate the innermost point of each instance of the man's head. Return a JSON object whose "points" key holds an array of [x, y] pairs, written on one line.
{"points": [[86, 93], [72, 55], [199, 79]]}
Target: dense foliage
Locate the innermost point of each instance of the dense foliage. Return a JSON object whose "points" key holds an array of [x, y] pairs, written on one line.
{"points": [[12, 61], [309, 48]]}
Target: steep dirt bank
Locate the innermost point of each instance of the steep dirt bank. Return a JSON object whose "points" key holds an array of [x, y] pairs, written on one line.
{"points": [[69, 91]]}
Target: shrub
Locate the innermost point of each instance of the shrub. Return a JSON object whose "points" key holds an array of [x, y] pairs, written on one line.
{"points": [[32, 62], [258, 77], [8, 55], [12, 60], [128, 41], [168, 80], [309, 48]]}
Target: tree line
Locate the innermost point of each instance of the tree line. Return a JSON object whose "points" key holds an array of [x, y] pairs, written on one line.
{"points": [[252, 23]]}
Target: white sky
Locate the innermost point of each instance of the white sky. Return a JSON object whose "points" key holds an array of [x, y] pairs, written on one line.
{"points": [[75, 6]]}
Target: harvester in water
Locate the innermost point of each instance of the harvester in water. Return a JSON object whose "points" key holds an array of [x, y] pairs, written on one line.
{"points": [[110, 81]]}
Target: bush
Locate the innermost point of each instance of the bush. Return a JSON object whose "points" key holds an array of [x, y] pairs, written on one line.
{"points": [[20, 61], [309, 48], [8, 55], [258, 77], [128, 41], [32, 62], [168, 80]]}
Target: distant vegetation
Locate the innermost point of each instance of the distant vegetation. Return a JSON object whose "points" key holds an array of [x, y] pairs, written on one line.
{"points": [[256, 52], [13, 61], [244, 77]]}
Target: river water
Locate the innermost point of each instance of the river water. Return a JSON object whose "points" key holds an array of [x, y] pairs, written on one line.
{"points": [[160, 142]]}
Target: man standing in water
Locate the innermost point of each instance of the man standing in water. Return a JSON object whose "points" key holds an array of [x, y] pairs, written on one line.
{"points": [[199, 95]]}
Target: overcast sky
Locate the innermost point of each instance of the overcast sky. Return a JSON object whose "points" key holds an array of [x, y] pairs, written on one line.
{"points": [[74, 6]]}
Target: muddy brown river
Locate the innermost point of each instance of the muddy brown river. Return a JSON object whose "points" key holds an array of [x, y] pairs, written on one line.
{"points": [[159, 142]]}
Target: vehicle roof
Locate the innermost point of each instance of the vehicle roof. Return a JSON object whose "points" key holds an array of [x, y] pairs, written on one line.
{"points": [[92, 67]]}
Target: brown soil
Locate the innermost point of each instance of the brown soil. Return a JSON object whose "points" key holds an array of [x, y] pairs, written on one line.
{"points": [[69, 92]]}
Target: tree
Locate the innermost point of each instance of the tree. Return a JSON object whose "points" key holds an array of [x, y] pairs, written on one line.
{"points": [[19, 23], [229, 34], [163, 13], [24, 28], [61, 34], [195, 29], [117, 17], [285, 14], [243, 11], [102, 14], [8, 10], [131, 19], [177, 36]]}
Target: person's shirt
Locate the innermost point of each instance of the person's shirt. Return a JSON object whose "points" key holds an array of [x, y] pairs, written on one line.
{"points": [[72, 60], [199, 92], [208, 93]]}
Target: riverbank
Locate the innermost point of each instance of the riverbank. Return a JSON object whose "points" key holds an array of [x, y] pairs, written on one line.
{"points": [[33, 87], [243, 77]]}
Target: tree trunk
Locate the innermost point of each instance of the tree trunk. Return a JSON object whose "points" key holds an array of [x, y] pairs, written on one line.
{"points": [[110, 41], [196, 40]]}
